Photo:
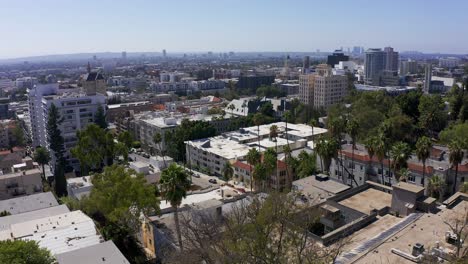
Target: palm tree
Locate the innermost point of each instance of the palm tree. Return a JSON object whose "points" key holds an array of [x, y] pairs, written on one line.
{"points": [[380, 151], [42, 157], [404, 174], [436, 185], [327, 149], [336, 127], [270, 162], [423, 152], [370, 146], [400, 154], [228, 171], [287, 158], [258, 120], [253, 158], [274, 135], [287, 117], [312, 124], [174, 185], [157, 139], [455, 158], [352, 128]]}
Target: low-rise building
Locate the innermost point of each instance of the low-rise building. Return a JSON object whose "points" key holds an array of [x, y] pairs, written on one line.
{"points": [[24, 179], [79, 187], [105, 252], [28, 203]]}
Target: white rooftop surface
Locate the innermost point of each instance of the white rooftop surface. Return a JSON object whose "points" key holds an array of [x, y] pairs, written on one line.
{"points": [[28, 203], [222, 146], [105, 252], [49, 223], [66, 239], [195, 198], [7, 221], [80, 182]]}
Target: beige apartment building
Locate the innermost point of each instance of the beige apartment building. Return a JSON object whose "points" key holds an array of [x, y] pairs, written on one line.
{"points": [[322, 88]]}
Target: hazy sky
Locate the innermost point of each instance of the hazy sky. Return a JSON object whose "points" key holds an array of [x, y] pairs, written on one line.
{"points": [[40, 27]]}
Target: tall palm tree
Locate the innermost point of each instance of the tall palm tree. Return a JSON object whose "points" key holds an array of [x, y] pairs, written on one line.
{"points": [[253, 158], [455, 158], [436, 185], [327, 149], [336, 127], [380, 151], [270, 162], [287, 159], [423, 152], [313, 123], [228, 171], [274, 135], [287, 118], [174, 185], [42, 157], [400, 154], [352, 128], [258, 120], [370, 146], [157, 139]]}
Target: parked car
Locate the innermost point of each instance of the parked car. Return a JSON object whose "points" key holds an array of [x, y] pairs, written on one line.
{"points": [[196, 175], [213, 181]]}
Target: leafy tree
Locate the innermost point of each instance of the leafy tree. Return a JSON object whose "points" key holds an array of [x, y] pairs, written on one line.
{"points": [[119, 195], [188, 130], [307, 165], [458, 132], [100, 117], [409, 102], [267, 109], [253, 158], [24, 252], [174, 185], [400, 154], [455, 97], [125, 138], [56, 144], [455, 158], [423, 151], [18, 135], [269, 92], [433, 117], [42, 157], [228, 171], [90, 149]]}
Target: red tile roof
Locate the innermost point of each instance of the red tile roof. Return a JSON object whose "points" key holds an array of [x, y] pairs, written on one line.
{"points": [[419, 168], [241, 165]]}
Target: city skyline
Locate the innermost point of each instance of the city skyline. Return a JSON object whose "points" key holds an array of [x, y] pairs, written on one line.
{"points": [[67, 27]]}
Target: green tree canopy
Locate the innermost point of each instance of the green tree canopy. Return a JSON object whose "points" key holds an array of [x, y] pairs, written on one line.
{"points": [[100, 117], [24, 252], [42, 157], [120, 194], [458, 132]]}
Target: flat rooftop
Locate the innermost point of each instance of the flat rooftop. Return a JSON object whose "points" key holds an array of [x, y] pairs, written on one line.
{"points": [[368, 200], [408, 187], [311, 184], [28, 203], [426, 230], [105, 252], [7, 221]]}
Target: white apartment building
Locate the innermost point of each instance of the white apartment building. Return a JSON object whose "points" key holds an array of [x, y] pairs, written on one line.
{"points": [[450, 62], [78, 110], [210, 154]]}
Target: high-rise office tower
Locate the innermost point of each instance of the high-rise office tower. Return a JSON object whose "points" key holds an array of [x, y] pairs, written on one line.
{"points": [[391, 59], [374, 64], [164, 53], [408, 67], [336, 57], [124, 55], [306, 64], [427, 78]]}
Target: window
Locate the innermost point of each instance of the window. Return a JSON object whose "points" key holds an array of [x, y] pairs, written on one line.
{"points": [[411, 178]]}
